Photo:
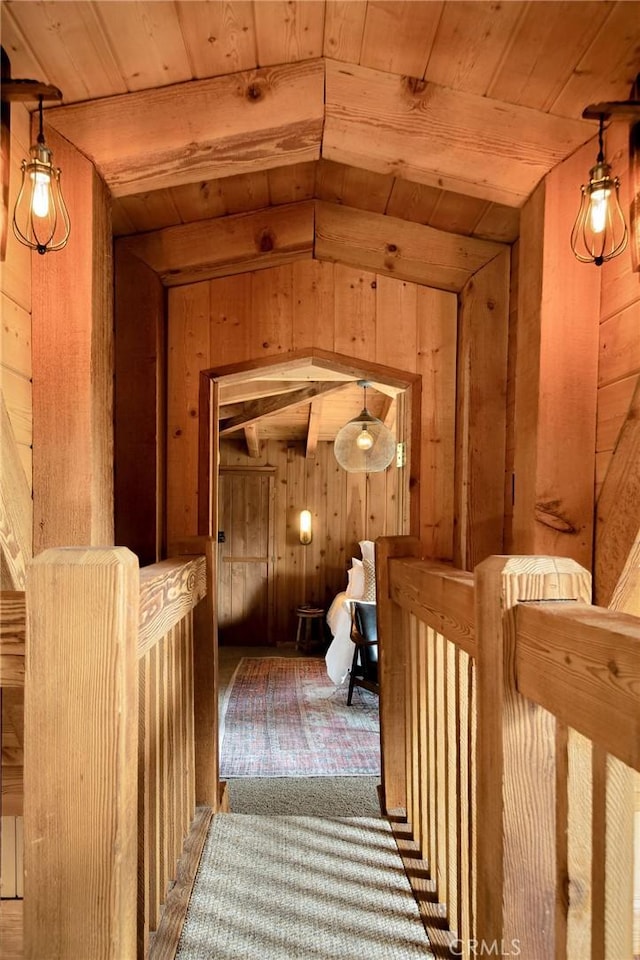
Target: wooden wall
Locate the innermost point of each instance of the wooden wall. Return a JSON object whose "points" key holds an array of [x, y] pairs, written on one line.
{"points": [[15, 330], [619, 366], [16, 483], [314, 304], [346, 508]]}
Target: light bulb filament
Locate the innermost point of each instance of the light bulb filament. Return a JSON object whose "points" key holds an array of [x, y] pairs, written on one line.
{"points": [[40, 199], [598, 209], [364, 440]]}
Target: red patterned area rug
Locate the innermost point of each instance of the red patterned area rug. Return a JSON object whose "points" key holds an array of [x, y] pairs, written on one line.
{"points": [[283, 717]]}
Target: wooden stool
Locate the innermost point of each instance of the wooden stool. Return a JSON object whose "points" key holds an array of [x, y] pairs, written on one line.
{"points": [[309, 615]]}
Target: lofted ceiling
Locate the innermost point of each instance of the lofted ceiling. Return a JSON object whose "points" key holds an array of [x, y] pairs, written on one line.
{"points": [[368, 132]]}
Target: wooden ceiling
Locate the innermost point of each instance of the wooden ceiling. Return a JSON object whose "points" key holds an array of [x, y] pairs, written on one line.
{"points": [[366, 127]]}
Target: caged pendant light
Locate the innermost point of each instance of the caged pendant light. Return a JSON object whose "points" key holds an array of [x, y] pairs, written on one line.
{"points": [[364, 444], [40, 218], [600, 231]]}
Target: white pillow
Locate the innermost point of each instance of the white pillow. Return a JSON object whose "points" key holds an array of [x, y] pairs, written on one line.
{"points": [[368, 550], [355, 582], [369, 593]]}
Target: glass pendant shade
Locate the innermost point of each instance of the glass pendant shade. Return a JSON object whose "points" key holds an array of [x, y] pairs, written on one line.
{"points": [[364, 445], [600, 230], [40, 218]]}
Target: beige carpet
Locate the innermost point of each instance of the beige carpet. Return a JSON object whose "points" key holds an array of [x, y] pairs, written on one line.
{"points": [[301, 888]]}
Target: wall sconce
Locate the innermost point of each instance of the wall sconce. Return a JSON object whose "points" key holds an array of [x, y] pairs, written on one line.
{"points": [[600, 231], [306, 529], [364, 444], [40, 218]]}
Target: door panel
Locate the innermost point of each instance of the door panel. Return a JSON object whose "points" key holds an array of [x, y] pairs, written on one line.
{"points": [[245, 597]]}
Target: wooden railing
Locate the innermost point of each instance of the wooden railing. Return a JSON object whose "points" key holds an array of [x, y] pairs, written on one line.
{"points": [[510, 725], [121, 772]]}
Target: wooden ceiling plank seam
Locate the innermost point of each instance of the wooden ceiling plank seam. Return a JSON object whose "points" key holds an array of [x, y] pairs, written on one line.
{"points": [[616, 45], [13, 38], [344, 30], [154, 28], [288, 31], [218, 36], [471, 40], [172, 134], [414, 27]]}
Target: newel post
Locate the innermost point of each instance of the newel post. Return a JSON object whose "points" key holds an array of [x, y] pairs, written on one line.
{"points": [[517, 839], [81, 764], [392, 658]]}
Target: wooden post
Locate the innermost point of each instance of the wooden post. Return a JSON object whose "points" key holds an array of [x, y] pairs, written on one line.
{"points": [[73, 367], [516, 754], [205, 674], [81, 763], [392, 666]]}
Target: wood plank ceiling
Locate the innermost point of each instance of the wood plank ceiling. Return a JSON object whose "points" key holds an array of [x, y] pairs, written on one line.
{"points": [[440, 115]]}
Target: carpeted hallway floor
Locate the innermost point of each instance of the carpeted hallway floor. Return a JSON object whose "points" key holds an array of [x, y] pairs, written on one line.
{"points": [[302, 869]]}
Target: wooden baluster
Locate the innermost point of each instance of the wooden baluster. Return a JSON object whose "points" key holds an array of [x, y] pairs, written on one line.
{"points": [[392, 667], [516, 795], [81, 754], [423, 744]]}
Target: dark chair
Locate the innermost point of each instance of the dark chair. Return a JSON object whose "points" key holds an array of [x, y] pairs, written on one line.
{"points": [[364, 633]]}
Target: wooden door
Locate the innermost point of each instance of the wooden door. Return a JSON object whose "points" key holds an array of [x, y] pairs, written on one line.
{"points": [[246, 576]]}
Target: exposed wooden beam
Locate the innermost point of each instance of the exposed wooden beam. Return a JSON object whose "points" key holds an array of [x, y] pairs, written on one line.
{"points": [[617, 540], [216, 248], [252, 440], [255, 389], [388, 413], [270, 405], [313, 430], [163, 137], [444, 138], [406, 251]]}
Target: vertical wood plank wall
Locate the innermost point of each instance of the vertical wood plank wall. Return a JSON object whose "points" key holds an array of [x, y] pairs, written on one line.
{"points": [[345, 507], [15, 377], [619, 366], [328, 306]]}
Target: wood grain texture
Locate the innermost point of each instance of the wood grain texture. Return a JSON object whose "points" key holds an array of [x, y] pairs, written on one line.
{"points": [[593, 652], [406, 251], [12, 638], [168, 591], [88, 695], [272, 117], [555, 376], [72, 369], [481, 414], [516, 879], [217, 248], [15, 508], [617, 545], [441, 137], [139, 405], [393, 660], [438, 594], [437, 326]]}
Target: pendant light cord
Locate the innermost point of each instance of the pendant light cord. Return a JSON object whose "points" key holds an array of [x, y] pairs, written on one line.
{"points": [[601, 140], [41, 133]]}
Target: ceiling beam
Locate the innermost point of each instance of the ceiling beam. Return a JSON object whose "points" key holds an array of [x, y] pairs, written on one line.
{"points": [[252, 440], [255, 389], [398, 248], [441, 137], [217, 248], [202, 129], [271, 405], [313, 430]]}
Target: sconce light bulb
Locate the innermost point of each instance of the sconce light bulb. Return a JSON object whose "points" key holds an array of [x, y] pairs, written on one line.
{"points": [[364, 440], [598, 209], [40, 202]]}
